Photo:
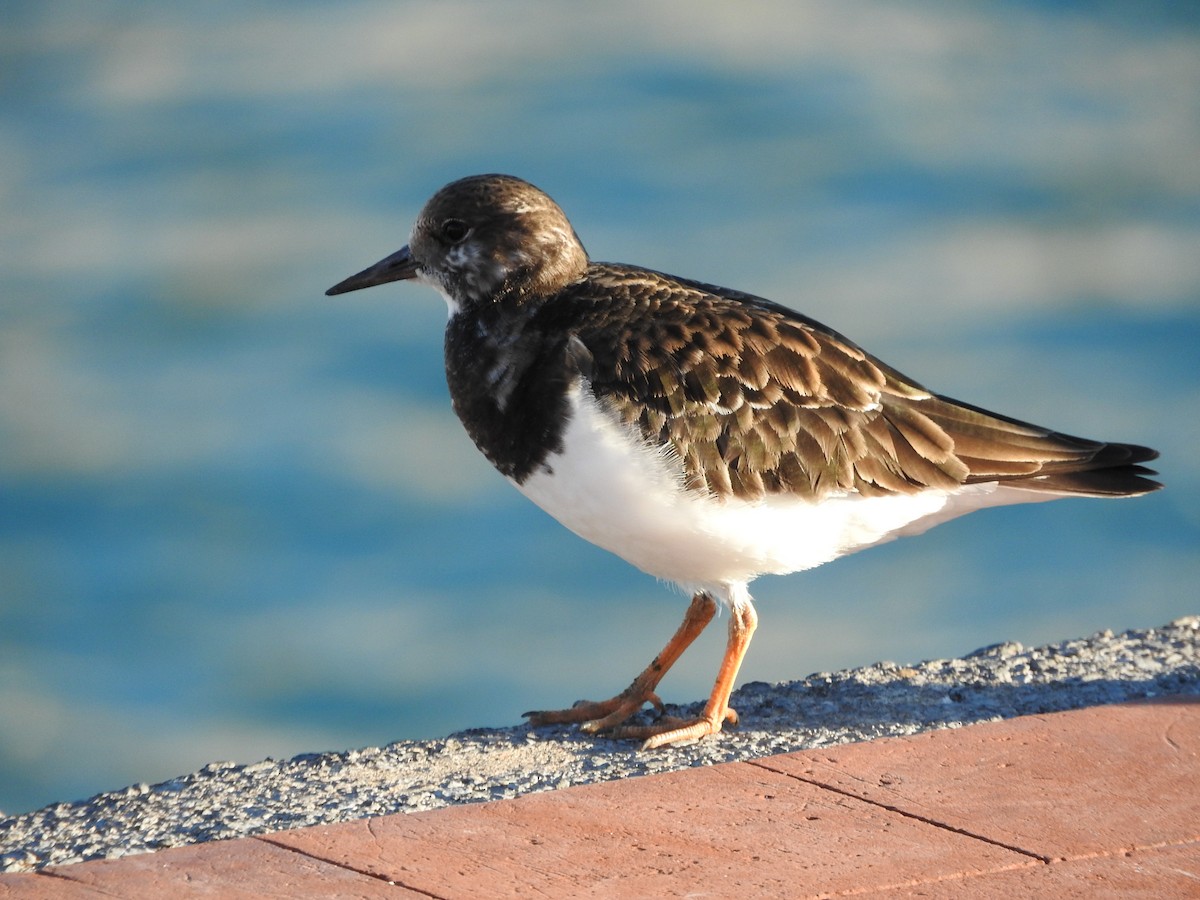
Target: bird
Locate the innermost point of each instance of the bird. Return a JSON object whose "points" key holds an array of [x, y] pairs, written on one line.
{"points": [[705, 435]]}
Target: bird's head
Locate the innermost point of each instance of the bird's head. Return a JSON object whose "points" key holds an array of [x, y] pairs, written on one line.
{"points": [[484, 239]]}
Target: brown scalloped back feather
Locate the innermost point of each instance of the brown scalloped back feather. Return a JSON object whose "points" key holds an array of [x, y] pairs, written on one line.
{"points": [[754, 399]]}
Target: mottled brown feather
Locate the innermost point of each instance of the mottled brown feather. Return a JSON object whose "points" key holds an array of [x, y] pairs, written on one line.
{"points": [[752, 398]]}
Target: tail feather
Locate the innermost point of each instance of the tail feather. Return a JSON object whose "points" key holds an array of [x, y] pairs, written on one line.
{"points": [[1117, 481], [1026, 456]]}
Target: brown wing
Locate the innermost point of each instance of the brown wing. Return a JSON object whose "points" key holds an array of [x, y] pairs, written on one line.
{"points": [[755, 399]]}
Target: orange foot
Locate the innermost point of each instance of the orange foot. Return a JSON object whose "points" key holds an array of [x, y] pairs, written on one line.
{"points": [[608, 715], [595, 717], [673, 730]]}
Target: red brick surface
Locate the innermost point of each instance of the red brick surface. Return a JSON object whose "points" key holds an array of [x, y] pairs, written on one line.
{"points": [[730, 830], [1162, 873], [237, 870], [1098, 780]]}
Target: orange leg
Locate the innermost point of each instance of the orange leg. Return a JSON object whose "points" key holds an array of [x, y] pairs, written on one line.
{"points": [[742, 622], [610, 713]]}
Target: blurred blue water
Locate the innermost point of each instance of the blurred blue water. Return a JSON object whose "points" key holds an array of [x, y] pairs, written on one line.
{"points": [[238, 519]]}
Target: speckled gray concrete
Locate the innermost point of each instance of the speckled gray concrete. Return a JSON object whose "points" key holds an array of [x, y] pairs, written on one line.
{"points": [[224, 800]]}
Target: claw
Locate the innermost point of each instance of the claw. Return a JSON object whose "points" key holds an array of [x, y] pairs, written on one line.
{"points": [[592, 716], [674, 730], [685, 731]]}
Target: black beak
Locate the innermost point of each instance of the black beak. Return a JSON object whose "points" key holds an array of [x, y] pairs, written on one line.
{"points": [[400, 266]]}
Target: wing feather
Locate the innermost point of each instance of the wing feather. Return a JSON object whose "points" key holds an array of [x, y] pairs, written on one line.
{"points": [[753, 399]]}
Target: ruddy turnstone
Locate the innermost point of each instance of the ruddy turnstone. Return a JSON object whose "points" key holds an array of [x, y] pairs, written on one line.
{"points": [[705, 435]]}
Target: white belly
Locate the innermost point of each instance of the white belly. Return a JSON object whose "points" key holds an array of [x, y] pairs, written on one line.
{"points": [[628, 499]]}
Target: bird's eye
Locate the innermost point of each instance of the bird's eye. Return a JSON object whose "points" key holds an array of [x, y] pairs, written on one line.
{"points": [[454, 230]]}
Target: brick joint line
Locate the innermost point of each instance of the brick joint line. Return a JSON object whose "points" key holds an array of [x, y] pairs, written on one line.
{"points": [[907, 814], [266, 839]]}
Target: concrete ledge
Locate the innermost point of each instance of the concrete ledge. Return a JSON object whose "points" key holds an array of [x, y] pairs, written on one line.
{"points": [[225, 800], [1098, 802]]}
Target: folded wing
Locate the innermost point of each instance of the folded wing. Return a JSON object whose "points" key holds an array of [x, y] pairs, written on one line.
{"points": [[755, 399]]}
